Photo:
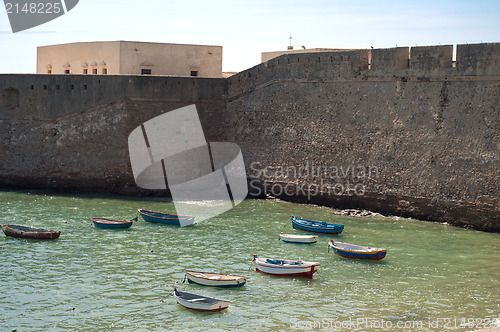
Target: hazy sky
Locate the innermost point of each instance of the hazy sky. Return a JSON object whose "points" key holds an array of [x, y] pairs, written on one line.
{"points": [[247, 28]]}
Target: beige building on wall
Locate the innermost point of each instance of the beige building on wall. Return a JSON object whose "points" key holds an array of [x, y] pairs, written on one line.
{"points": [[130, 58]]}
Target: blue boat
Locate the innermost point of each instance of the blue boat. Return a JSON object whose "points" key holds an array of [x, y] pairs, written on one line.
{"points": [[353, 251], [166, 218], [316, 226], [109, 223]]}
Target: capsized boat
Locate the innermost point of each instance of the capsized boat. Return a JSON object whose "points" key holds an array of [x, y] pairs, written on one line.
{"points": [[166, 218], [316, 226], [354, 251], [110, 223], [285, 268], [291, 238], [215, 279], [30, 232], [200, 302]]}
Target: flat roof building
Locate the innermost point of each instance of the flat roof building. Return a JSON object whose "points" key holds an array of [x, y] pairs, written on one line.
{"points": [[130, 58]]}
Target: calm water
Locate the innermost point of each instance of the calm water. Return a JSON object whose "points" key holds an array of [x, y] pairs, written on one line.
{"points": [[433, 278]]}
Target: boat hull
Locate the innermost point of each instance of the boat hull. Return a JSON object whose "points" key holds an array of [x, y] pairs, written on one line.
{"points": [[302, 239], [317, 227], [166, 218], [200, 307], [306, 270], [30, 232], [200, 303], [108, 223], [362, 253], [214, 279]]}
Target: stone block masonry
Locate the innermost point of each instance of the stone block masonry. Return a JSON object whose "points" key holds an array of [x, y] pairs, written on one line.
{"points": [[70, 132], [403, 131]]}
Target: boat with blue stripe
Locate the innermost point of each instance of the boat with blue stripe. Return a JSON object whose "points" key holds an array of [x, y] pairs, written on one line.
{"points": [[166, 218], [316, 226], [354, 251]]}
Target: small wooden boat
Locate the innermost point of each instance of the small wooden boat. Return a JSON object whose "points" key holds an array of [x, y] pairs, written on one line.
{"points": [[298, 238], [166, 218], [215, 279], [109, 223], [200, 302], [354, 251], [316, 226], [30, 232], [285, 268]]}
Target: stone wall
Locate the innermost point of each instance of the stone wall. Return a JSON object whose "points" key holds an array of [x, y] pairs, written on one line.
{"points": [[428, 131], [399, 131], [70, 132]]}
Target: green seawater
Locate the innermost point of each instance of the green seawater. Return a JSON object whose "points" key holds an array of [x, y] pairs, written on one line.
{"points": [[435, 277]]}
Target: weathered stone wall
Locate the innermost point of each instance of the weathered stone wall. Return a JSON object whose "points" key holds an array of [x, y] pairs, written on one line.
{"points": [[478, 59], [71, 132], [399, 131], [420, 140]]}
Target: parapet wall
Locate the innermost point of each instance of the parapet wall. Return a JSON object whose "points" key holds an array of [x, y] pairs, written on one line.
{"points": [[60, 95], [399, 62]]}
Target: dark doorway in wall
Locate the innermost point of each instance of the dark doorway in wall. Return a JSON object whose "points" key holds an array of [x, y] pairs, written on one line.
{"points": [[194, 73], [10, 98]]}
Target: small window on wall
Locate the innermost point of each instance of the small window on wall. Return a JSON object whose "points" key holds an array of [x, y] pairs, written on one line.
{"points": [[105, 71], [85, 71], [49, 71], [194, 73], [66, 71], [145, 71], [94, 71]]}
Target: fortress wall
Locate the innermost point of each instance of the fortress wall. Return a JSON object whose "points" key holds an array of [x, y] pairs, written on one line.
{"points": [[320, 65], [425, 134], [56, 138], [55, 96], [59, 95], [419, 62], [400, 62], [430, 135], [433, 147]]}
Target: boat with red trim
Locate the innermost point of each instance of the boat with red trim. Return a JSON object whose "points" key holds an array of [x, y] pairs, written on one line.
{"points": [[285, 267], [354, 251]]}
